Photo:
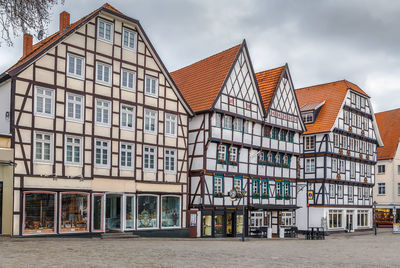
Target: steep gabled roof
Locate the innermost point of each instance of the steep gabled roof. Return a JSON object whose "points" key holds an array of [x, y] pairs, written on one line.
{"points": [[333, 94], [267, 83], [389, 128], [201, 82]]}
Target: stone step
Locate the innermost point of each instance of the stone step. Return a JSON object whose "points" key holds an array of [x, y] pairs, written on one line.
{"points": [[118, 235]]}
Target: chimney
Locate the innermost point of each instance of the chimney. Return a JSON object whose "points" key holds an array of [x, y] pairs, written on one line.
{"points": [[64, 20], [28, 42]]}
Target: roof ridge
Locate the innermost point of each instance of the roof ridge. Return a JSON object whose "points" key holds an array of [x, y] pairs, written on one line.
{"points": [[387, 111], [271, 69], [327, 83], [221, 52]]}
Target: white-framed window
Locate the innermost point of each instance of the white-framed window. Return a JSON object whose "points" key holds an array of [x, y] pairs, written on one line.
{"points": [[344, 141], [359, 121], [102, 153], [75, 107], [44, 102], [43, 147], [336, 140], [368, 170], [358, 101], [238, 124], [351, 144], [353, 97], [335, 219], [170, 161], [171, 125], [227, 122], [222, 154], [366, 123], [76, 66], [340, 191], [310, 165], [381, 169], [351, 193], [308, 117], [247, 127], [103, 73], [150, 121], [105, 30], [287, 219], [346, 117], [264, 187], [151, 86], [237, 184], [103, 112], [363, 100], [352, 170], [73, 151], [233, 155], [127, 117], [381, 188], [170, 211], [362, 218], [126, 156], [334, 164], [353, 119], [310, 142], [217, 120], [218, 185], [362, 169], [129, 39], [332, 190], [128, 80], [356, 145], [360, 193], [342, 166], [149, 159], [366, 193]]}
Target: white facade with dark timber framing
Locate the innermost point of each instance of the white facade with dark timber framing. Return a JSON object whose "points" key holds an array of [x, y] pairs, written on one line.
{"points": [[236, 146], [99, 131], [339, 154]]}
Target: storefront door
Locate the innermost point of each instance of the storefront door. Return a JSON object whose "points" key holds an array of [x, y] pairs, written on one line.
{"points": [[113, 212], [229, 223], [349, 221], [98, 212]]}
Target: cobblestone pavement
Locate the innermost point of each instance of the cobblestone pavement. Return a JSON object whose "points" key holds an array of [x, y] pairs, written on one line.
{"points": [[339, 250]]}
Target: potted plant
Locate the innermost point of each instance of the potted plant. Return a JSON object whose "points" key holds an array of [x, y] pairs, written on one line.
{"points": [[222, 162], [219, 195], [265, 195], [256, 195], [287, 196]]}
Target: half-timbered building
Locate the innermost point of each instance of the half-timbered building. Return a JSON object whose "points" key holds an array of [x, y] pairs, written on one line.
{"points": [[244, 143], [339, 154], [99, 131]]}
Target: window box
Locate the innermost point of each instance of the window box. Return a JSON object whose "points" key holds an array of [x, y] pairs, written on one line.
{"points": [[286, 165], [270, 163], [287, 197], [218, 195], [279, 197], [262, 162], [233, 163], [256, 195], [348, 152], [265, 196], [222, 162]]}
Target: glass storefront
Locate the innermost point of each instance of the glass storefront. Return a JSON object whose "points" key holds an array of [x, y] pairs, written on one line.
{"points": [[39, 217], [170, 211], [113, 212], [147, 211], [218, 225], [98, 204], [206, 225], [384, 216], [74, 212], [239, 224], [130, 212]]}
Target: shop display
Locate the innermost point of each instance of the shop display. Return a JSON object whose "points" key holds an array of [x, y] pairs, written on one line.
{"points": [[39, 213], [113, 212], [74, 213], [384, 216], [170, 211], [219, 225], [147, 211], [207, 225], [239, 224], [130, 212]]}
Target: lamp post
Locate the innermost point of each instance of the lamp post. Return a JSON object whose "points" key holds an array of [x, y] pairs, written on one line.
{"points": [[374, 207]]}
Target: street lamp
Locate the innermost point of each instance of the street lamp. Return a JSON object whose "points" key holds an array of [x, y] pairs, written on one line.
{"points": [[374, 206]]}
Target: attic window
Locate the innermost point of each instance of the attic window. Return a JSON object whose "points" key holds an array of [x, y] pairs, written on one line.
{"points": [[105, 30], [308, 117]]}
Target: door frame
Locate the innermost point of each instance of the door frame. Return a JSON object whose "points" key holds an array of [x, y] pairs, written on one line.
{"points": [[350, 213], [123, 214], [103, 217], [121, 195]]}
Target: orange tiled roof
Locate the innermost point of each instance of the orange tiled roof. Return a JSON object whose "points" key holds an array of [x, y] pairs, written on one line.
{"points": [[389, 129], [40, 46], [201, 82], [267, 83], [333, 94]]}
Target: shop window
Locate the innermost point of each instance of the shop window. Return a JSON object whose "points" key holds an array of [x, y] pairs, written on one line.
{"points": [[219, 225], [207, 225], [239, 224], [74, 212], [287, 219], [147, 212], [170, 211], [362, 218], [39, 213], [335, 218], [98, 208], [130, 212]]}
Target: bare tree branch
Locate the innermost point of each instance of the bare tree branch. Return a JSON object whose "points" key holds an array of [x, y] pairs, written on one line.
{"points": [[23, 16]]}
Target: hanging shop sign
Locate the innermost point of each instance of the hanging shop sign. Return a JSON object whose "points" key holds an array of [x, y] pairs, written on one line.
{"points": [[310, 195]]}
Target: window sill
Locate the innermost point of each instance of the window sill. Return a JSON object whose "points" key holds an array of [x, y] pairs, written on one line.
{"points": [[128, 129], [170, 135], [102, 167], [74, 120], [43, 162], [126, 168], [73, 165], [132, 49], [102, 125], [151, 133], [49, 116], [151, 95], [75, 76], [103, 83], [128, 89], [111, 41]]}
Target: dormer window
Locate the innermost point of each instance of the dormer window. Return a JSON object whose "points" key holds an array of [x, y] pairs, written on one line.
{"points": [[308, 117]]}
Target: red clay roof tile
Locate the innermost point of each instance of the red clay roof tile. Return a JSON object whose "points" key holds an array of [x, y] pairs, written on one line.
{"points": [[267, 83], [389, 128]]}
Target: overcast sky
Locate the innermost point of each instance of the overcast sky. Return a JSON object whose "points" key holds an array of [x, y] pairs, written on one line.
{"points": [[322, 41]]}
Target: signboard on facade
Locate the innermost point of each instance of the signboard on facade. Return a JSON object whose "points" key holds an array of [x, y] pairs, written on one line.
{"points": [[310, 195]]}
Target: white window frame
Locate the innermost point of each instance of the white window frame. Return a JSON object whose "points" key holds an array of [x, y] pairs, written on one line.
{"points": [[151, 79], [352, 170], [102, 81], [310, 142], [336, 140], [346, 116], [51, 141], [336, 212], [127, 113], [366, 193], [103, 38], [381, 186], [180, 212], [222, 150], [130, 34], [238, 124], [247, 127], [154, 154], [126, 151], [334, 163], [218, 185], [233, 154], [332, 190], [310, 165], [167, 154], [217, 120], [102, 147], [362, 169], [74, 74], [350, 193], [150, 115], [360, 193], [227, 122], [308, 117], [340, 191], [171, 120], [44, 96], [73, 144], [342, 166], [368, 170], [127, 87], [74, 103], [108, 124]]}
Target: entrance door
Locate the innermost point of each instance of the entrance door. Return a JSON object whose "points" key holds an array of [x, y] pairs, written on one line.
{"points": [[349, 221], [113, 212], [129, 212], [98, 213], [1, 205], [229, 223]]}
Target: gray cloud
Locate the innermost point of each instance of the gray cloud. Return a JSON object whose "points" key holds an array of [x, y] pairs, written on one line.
{"points": [[322, 41]]}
